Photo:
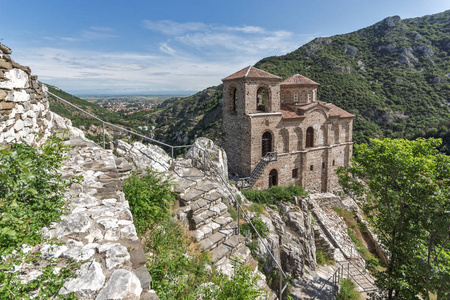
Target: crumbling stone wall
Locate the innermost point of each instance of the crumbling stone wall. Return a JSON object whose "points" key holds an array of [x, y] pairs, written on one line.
{"points": [[24, 107]]}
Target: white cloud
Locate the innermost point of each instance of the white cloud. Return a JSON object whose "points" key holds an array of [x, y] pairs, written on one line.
{"points": [[166, 49], [174, 28], [194, 57]]}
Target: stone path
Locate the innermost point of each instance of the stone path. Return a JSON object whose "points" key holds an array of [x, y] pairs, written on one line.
{"points": [[99, 231]]}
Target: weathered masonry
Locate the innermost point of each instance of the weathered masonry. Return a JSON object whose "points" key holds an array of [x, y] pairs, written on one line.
{"points": [[263, 114]]}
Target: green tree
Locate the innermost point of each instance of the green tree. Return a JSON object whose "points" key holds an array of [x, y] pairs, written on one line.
{"points": [[403, 187]]}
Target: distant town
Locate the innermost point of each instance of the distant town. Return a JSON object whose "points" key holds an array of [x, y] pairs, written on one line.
{"points": [[128, 104]]}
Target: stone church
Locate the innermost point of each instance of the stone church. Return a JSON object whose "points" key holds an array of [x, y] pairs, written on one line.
{"points": [[277, 133]]}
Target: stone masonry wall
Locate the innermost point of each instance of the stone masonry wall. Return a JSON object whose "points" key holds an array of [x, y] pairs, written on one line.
{"points": [[24, 108]]}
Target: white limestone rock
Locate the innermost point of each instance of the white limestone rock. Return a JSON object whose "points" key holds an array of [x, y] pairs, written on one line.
{"points": [[75, 223], [89, 280], [144, 156], [203, 146], [121, 285], [116, 256], [129, 232], [17, 79]]}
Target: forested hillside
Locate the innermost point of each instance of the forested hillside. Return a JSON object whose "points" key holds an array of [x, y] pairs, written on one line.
{"points": [[394, 75]]}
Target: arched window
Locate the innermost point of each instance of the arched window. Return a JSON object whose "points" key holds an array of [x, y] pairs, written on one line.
{"points": [[266, 143], [261, 99], [234, 97], [273, 178], [309, 137], [295, 96]]}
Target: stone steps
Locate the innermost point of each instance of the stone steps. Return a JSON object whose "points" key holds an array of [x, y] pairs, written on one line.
{"points": [[200, 189], [230, 247], [207, 216], [205, 202], [212, 227], [217, 238]]}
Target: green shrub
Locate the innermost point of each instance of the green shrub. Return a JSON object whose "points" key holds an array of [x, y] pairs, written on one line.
{"points": [[348, 291], [275, 194], [31, 191], [149, 196], [31, 197], [260, 226]]}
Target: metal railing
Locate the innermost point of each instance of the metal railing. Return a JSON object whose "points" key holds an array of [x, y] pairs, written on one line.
{"points": [[206, 157], [248, 182]]}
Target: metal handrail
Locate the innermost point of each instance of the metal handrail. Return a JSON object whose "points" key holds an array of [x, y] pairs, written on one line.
{"points": [[240, 208], [249, 181]]}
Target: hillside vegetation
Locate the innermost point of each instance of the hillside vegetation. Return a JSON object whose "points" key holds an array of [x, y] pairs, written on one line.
{"points": [[394, 75]]}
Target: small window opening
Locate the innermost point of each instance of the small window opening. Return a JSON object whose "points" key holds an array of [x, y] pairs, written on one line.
{"points": [[295, 96], [295, 173], [334, 162], [311, 168], [323, 165]]}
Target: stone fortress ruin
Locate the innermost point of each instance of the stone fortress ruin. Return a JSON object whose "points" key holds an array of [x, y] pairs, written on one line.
{"points": [[300, 140]]}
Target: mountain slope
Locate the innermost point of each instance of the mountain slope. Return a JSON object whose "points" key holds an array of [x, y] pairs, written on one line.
{"points": [[394, 75]]}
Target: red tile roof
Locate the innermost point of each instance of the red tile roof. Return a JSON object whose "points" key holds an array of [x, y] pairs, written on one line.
{"points": [[288, 113], [298, 79], [251, 72], [334, 111]]}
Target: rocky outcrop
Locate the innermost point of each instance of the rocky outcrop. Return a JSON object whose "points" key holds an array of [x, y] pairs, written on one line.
{"points": [[203, 147], [144, 156]]}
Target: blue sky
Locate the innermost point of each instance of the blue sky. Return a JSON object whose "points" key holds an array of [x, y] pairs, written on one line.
{"points": [[154, 47]]}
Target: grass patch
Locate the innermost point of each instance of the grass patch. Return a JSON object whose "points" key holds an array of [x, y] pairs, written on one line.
{"points": [[257, 207], [275, 194], [348, 291], [322, 259], [355, 231]]}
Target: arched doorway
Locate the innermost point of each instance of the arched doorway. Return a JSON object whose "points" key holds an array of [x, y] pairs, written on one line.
{"points": [[273, 178], [309, 137], [266, 143]]}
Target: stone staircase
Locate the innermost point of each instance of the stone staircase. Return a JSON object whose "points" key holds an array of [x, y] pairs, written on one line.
{"points": [[203, 208]]}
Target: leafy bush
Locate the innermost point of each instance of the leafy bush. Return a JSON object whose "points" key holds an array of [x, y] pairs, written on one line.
{"points": [[31, 197], [257, 207], [348, 291], [149, 196], [31, 191], [275, 194], [260, 226]]}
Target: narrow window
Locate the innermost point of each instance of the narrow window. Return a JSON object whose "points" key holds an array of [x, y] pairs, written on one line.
{"points": [[323, 165], [309, 96], [311, 168], [334, 162], [233, 104], [295, 96], [295, 173], [309, 137]]}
